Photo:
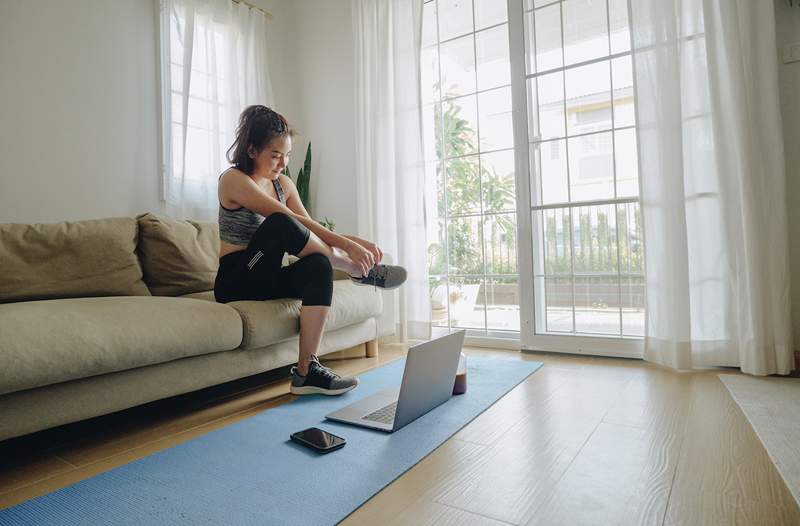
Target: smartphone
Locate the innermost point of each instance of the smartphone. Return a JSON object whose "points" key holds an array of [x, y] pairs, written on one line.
{"points": [[318, 440]]}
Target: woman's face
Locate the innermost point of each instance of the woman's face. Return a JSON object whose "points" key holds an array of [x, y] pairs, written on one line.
{"points": [[273, 159]]}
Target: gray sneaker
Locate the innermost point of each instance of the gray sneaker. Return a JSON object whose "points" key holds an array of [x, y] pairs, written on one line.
{"points": [[384, 276], [320, 380]]}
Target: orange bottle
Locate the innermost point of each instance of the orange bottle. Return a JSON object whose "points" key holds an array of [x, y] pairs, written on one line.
{"points": [[460, 386]]}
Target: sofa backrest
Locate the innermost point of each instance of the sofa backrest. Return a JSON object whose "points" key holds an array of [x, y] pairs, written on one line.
{"points": [[178, 256], [70, 259]]}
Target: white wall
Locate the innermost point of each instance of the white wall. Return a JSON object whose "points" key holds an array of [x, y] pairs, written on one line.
{"points": [[79, 105], [77, 109], [788, 31], [326, 85]]}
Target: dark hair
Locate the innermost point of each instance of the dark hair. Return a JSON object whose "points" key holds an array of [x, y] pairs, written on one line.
{"points": [[258, 125]]}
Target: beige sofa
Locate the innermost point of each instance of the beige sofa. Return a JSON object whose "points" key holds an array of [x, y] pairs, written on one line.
{"points": [[101, 315]]}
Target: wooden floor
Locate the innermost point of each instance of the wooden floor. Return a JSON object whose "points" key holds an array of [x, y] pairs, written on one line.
{"points": [[582, 441]]}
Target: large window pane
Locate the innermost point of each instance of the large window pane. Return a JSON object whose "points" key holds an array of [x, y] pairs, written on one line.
{"points": [[496, 129], [463, 185], [557, 241], [631, 253], [595, 233], [465, 242], [558, 303], [620, 32], [502, 304], [493, 60], [597, 305], [458, 66], [500, 238], [585, 30], [550, 166], [550, 102], [588, 98], [633, 306], [429, 32], [467, 307], [591, 167], [455, 18], [622, 72], [489, 13], [627, 163], [497, 182], [459, 126], [547, 30]]}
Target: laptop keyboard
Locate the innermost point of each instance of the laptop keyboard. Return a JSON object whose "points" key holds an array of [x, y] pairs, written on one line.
{"points": [[384, 415]]}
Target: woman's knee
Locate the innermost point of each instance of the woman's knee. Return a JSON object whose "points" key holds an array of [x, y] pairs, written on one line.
{"points": [[276, 218], [318, 288], [292, 234], [319, 267]]}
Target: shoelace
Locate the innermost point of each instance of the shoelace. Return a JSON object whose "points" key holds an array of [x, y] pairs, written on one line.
{"points": [[378, 271], [324, 371]]}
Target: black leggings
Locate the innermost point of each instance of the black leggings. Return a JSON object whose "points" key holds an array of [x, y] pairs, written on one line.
{"points": [[256, 273]]}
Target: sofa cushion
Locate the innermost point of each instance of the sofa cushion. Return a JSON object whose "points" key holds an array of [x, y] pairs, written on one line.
{"points": [[70, 259], [45, 342], [272, 321], [178, 256]]}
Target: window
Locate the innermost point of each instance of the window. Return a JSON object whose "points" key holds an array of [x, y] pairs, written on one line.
{"points": [[197, 97], [470, 154], [587, 257], [580, 96], [213, 65]]}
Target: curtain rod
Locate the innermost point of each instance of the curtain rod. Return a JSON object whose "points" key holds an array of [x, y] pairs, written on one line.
{"points": [[266, 13]]}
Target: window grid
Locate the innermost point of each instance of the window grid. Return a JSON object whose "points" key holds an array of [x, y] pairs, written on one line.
{"points": [[481, 215], [569, 206], [478, 215]]}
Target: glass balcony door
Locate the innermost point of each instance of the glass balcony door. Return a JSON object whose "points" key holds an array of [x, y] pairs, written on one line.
{"points": [[576, 141]]}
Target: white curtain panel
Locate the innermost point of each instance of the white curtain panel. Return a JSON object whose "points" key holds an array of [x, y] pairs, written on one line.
{"points": [[390, 175], [214, 64], [712, 184]]}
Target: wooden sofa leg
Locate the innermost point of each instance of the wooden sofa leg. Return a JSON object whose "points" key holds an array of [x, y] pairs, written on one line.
{"points": [[372, 348]]}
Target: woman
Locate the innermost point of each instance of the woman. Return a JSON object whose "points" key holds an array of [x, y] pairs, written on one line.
{"points": [[261, 217]]}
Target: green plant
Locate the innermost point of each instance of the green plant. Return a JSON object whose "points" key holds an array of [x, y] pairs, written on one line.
{"points": [[303, 184], [303, 180], [470, 187]]}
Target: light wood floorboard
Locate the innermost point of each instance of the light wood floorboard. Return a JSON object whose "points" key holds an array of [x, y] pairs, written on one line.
{"points": [[724, 475], [584, 440]]}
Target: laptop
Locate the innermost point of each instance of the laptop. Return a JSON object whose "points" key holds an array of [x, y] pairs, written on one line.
{"points": [[427, 383]]}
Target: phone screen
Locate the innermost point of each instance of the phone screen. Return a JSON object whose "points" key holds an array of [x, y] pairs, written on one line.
{"points": [[319, 438]]}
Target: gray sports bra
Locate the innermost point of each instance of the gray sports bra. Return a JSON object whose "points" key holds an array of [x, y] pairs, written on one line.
{"points": [[237, 226]]}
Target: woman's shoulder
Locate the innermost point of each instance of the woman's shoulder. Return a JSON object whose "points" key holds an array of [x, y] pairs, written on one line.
{"points": [[286, 182], [231, 182], [232, 173]]}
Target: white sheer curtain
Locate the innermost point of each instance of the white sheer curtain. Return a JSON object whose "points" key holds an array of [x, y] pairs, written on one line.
{"points": [[713, 184], [214, 64], [389, 162]]}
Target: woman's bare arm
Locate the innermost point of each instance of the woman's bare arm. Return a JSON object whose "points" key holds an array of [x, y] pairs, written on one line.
{"points": [[240, 188]]}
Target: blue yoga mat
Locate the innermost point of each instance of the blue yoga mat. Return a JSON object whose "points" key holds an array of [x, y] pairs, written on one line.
{"points": [[251, 473]]}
